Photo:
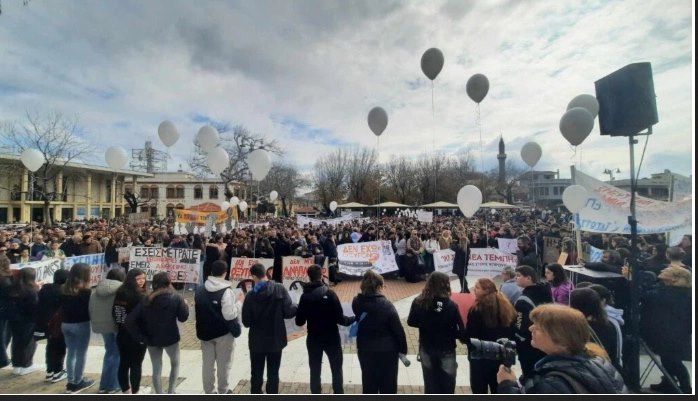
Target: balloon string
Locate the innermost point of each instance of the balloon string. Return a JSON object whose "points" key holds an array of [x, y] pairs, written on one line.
{"points": [[433, 134], [479, 126], [378, 151]]}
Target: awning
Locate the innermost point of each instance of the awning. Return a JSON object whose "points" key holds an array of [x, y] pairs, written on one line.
{"points": [[498, 205], [440, 205], [352, 205], [390, 204]]}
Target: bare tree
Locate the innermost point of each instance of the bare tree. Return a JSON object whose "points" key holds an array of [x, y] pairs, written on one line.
{"points": [[286, 180], [57, 138], [362, 175], [329, 177], [400, 180], [238, 141]]}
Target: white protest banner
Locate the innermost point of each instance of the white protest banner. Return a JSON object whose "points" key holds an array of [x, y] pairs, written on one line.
{"points": [[98, 268], [181, 264], [507, 245], [44, 269], [124, 254], [302, 220], [424, 216], [489, 262], [240, 268], [607, 210], [295, 268], [443, 260], [139, 218], [355, 259]]}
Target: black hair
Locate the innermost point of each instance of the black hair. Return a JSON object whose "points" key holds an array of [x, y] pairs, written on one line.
{"points": [[219, 268], [315, 273], [559, 274], [161, 280], [117, 274], [258, 270], [528, 271]]}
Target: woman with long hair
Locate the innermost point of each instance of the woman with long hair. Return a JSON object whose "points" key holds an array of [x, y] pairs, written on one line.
{"points": [[75, 302], [460, 245], [5, 286], [380, 337], [572, 364], [560, 284], [23, 299], [155, 321], [491, 318], [131, 352], [440, 324], [602, 331]]}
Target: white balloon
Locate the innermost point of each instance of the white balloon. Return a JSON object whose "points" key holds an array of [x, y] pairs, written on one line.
{"points": [[477, 87], [218, 160], [273, 195], [207, 138], [432, 62], [32, 159], [259, 163], [333, 206], [225, 205], [116, 157], [469, 200], [168, 133], [576, 125], [587, 102], [243, 206], [377, 120], [531, 153], [234, 201], [575, 198]]}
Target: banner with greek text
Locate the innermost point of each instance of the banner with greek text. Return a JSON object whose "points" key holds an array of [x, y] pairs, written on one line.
{"points": [[98, 268], [240, 268], [489, 262], [607, 210], [355, 259], [302, 220], [44, 269], [196, 217], [181, 264], [443, 260]]}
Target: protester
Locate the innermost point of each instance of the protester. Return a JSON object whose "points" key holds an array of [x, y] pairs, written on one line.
{"points": [[49, 302], [131, 351], [215, 306], [440, 324], [560, 284], [264, 311], [5, 287], [101, 304], [380, 338], [319, 306], [602, 331], [22, 302], [76, 326], [461, 259], [571, 364], [509, 287]]}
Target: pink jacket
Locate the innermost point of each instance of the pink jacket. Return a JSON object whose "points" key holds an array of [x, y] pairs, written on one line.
{"points": [[561, 293]]}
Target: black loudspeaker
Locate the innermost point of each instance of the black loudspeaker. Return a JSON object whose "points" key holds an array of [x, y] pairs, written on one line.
{"points": [[626, 100]]}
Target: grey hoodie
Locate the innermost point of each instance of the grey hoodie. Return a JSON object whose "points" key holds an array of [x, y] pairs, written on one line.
{"points": [[101, 303]]}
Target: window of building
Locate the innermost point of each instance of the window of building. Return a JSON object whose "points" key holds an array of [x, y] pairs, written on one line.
{"points": [[198, 192], [179, 206], [546, 191], [170, 193], [555, 191], [145, 193], [180, 191], [154, 192], [213, 192]]}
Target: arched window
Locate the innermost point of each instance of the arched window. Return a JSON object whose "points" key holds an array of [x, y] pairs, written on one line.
{"points": [[213, 192], [198, 192], [169, 209], [145, 192], [170, 193], [180, 191], [179, 206], [154, 192]]}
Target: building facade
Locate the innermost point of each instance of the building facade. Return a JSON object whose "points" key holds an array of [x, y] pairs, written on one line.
{"points": [[664, 186], [545, 188]]}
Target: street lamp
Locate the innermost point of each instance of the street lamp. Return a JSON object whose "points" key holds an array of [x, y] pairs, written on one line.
{"points": [[610, 172]]}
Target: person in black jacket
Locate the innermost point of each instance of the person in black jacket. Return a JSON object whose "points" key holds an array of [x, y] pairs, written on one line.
{"points": [[527, 255], [589, 302], [440, 324], [131, 351], [23, 298], [665, 325], [380, 337], [5, 286], [534, 293], [320, 307], [572, 365], [460, 245], [154, 321], [264, 310], [49, 301], [75, 302]]}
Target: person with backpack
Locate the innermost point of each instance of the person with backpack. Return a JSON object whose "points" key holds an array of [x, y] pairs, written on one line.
{"points": [[49, 302], [571, 363], [263, 311], [131, 351], [216, 309], [320, 307]]}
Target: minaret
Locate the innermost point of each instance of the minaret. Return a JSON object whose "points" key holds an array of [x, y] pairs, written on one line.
{"points": [[502, 158]]}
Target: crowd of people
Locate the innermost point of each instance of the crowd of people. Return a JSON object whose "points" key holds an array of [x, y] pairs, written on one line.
{"points": [[568, 338]]}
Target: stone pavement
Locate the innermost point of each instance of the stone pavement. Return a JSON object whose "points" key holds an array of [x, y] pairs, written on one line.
{"points": [[294, 371]]}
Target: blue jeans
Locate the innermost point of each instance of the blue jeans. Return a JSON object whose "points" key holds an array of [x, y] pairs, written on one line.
{"points": [[110, 364], [77, 338]]}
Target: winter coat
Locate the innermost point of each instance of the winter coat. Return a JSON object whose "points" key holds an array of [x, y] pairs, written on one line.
{"points": [[76, 308], [561, 293], [380, 330], [592, 375], [91, 248], [23, 304], [321, 308], [439, 325], [460, 259], [5, 286], [101, 304], [49, 301], [476, 328], [529, 258], [264, 311], [665, 320], [540, 294], [154, 321], [209, 326]]}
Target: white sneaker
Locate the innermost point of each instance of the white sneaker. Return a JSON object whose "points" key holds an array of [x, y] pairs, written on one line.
{"points": [[28, 370], [16, 371]]}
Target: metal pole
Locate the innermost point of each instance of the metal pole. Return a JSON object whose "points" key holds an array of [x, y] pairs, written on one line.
{"points": [[632, 352]]}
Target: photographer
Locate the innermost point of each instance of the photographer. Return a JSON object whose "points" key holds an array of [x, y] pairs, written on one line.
{"points": [[572, 365]]}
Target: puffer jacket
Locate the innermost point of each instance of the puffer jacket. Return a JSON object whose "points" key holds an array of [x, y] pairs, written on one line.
{"points": [[101, 303], [264, 311], [380, 330], [589, 376], [154, 321]]}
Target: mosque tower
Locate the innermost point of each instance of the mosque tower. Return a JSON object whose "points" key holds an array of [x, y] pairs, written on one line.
{"points": [[502, 157]]}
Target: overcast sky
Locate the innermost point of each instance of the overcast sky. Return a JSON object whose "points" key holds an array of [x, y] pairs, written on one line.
{"points": [[307, 73]]}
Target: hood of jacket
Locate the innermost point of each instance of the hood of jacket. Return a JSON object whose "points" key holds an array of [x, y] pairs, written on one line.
{"points": [[107, 288], [161, 292], [268, 290], [539, 293], [214, 284], [315, 289], [615, 314]]}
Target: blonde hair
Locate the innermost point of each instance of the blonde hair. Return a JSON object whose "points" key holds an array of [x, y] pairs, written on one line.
{"points": [[567, 328], [675, 276]]}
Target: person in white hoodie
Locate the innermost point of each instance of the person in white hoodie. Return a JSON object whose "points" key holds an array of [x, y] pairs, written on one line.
{"points": [[214, 300], [101, 303]]}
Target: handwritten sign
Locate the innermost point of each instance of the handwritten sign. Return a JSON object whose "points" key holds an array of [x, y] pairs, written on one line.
{"points": [[181, 264]]}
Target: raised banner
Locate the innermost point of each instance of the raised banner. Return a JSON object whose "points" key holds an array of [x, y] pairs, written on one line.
{"points": [[356, 259], [424, 216], [489, 262], [240, 268], [181, 264], [44, 269], [507, 245], [302, 220], [196, 217], [607, 210], [98, 268], [443, 260]]}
